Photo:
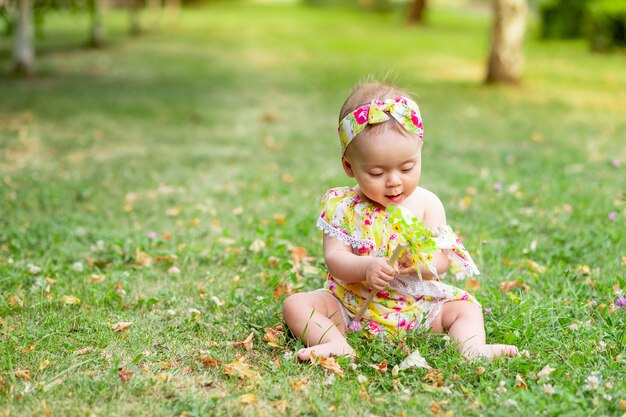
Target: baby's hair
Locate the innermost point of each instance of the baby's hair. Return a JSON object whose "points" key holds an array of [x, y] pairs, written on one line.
{"points": [[364, 93]]}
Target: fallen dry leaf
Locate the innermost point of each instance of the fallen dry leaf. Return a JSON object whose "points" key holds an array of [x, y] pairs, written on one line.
{"points": [[520, 383], [534, 266], [298, 253], [247, 343], [285, 288], [380, 367], [280, 405], [22, 374], [44, 364], [436, 407], [273, 336], [52, 384], [247, 399], [83, 351], [70, 300], [433, 377], [121, 326], [142, 258], [95, 278], [298, 385], [507, 286], [364, 395], [329, 363], [125, 375], [272, 262], [472, 284], [241, 370], [208, 362], [287, 178], [165, 259]]}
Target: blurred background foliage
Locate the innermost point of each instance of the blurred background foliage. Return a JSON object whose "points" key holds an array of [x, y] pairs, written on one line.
{"points": [[602, 22]]}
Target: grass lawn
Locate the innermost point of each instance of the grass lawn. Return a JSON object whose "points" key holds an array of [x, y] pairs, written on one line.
{"points": [[172, 181]]}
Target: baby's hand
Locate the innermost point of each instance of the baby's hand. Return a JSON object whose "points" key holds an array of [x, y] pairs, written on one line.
{"points": [[406, 264], [379, 273]]}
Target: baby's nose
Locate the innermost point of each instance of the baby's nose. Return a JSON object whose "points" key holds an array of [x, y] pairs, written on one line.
{"points": [[393, 180]]}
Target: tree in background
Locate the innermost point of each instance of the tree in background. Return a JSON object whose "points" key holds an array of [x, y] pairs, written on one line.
{"points": [[506, 57], [23, 38], [416, 12], [97, 33]]}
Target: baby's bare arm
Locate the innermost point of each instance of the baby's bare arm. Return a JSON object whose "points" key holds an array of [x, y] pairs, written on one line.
{"points": [[344, 265]]}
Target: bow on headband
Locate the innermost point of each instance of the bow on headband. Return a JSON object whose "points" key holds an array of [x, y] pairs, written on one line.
{"points": [[402, 109]]}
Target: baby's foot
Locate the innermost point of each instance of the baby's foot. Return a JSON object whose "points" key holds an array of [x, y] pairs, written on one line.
{"points": [[491, 351], [326, 350]]}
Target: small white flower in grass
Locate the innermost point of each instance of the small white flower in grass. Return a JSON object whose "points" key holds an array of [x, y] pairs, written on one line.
{"points": [[525, 354], [607, 397], [259, 298], [545, 372], [289, 356], [174, 270], [601, 346], [511, 403], [501, 387], [330, 379], [353, 366], [171, 312], [593, 381], [573, 327], [10, 261], [548, 389], [361, 378], [217, 301], [257, 246], [33, 269]]}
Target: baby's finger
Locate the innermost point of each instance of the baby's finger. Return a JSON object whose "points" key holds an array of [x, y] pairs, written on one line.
{"points": [[406, 257], [409, 270]]}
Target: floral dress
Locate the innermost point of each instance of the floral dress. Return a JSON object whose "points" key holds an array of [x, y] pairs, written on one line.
{"points": [[407, 302]]}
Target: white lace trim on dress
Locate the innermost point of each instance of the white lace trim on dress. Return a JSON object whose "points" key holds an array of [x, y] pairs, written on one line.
{"points": [[343, 236]]}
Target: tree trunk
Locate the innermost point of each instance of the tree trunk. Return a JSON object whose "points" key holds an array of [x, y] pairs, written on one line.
{"points": [[506, 57], [135, 23], [156, 10], [23, 39], [172, 10], [416, 12], [98, 33]]}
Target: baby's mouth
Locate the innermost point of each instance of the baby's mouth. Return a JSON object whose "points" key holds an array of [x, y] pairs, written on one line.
{"points": [[395, 198]]}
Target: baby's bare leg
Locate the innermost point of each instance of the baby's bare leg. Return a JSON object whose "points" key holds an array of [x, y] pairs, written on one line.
{"points": [[463, 320], [315, 317]]}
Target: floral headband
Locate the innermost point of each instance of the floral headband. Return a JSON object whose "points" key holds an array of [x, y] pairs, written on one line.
{"points": [[403, 109]]}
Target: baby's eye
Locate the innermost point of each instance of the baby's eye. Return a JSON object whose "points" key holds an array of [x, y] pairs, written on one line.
{"points": [[408, 169], [376, 174]]}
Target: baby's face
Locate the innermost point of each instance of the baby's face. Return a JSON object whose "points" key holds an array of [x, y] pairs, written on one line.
{"points": [[387, 167]]}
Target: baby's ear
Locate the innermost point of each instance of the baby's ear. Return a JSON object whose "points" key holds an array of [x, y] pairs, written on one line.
{"points": [[347, 167]]}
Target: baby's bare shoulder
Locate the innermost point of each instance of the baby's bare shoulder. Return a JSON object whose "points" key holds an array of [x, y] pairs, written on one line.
{"points": [[427, 206]]}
